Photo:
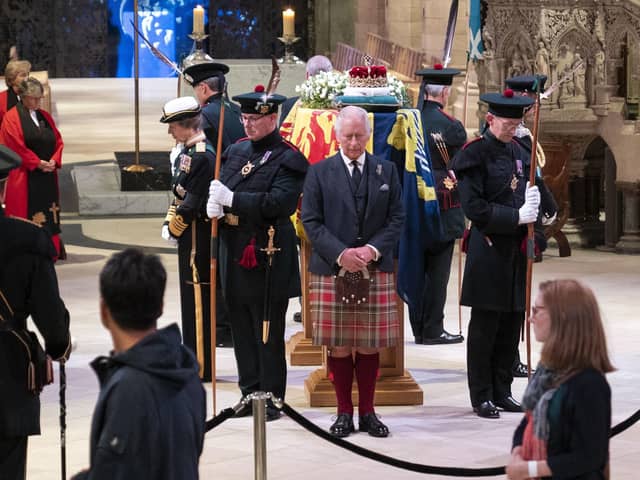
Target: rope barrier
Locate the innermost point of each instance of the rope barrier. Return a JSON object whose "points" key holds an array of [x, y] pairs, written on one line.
{"points": [[394, 462]]}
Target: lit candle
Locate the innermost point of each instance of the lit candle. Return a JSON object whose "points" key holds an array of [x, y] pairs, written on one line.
{"points": [[198, 19], [288, 23]]}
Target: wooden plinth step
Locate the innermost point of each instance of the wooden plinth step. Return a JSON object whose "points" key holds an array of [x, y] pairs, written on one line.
{"points": [[391, 390], [302, 352]]}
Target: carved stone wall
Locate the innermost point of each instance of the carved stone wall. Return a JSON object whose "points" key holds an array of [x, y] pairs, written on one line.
{"points": [[592, 50]]}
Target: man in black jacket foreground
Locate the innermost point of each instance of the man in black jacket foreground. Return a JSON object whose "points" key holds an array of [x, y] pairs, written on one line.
{"points": [[29, 287], [149, 421]]}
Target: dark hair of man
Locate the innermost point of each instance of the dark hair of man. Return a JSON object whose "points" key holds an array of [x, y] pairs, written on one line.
{"points": [[132, 286], [193, 123]]}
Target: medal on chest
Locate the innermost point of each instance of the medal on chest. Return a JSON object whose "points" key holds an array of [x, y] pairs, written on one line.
{"points": [[516, 175], [185, 163], [246, 170]]}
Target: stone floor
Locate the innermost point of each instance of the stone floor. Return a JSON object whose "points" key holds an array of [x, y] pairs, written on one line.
{"points": [[95, 119]]}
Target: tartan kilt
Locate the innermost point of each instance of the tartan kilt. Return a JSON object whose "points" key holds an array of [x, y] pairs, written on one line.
{"points": [[374, 324]]}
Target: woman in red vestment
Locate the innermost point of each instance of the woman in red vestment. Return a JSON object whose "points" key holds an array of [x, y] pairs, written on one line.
{"points": [[15, 73], [32, 189]]}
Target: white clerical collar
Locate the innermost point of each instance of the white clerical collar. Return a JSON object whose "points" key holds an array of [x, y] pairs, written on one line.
{"points": [[347, 161]]}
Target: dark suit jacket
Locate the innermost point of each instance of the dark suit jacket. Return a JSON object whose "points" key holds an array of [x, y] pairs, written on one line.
{"points": [[329, 212]]}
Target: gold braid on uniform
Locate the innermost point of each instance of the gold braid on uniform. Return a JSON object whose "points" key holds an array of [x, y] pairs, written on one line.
{"points": [[177, 226], [170, 214], [540, 157]]}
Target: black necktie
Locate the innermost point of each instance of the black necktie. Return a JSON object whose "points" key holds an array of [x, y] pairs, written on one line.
{"points": [[356, 175]]}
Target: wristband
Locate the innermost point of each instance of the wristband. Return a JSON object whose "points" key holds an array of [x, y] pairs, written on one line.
{"points": [[532, 465]]}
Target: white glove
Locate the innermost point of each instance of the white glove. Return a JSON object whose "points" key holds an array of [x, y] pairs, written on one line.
{"points": [[220, 193], [166, 235], [214, 209], [528, 213]]}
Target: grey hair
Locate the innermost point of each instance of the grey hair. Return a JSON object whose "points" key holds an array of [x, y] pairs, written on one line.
{"points": [[435, 90], [317, 64], [31, 87], [352, 111]]}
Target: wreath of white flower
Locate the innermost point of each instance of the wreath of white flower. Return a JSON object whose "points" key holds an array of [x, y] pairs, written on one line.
{"points": [[320, 90]]}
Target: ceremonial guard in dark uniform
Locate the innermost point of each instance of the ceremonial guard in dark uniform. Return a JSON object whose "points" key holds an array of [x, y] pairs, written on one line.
{"points": [[209, 85], [528, 85], [188, 224], [445, 135], [259, 187], [28, 287], [492, 174]]}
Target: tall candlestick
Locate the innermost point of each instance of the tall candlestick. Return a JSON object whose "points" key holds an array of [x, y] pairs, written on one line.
{"points": [[198, 19], [288, 23]]}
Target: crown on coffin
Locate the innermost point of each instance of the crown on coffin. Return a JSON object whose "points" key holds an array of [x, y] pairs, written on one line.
{"points": [[368, 75]]}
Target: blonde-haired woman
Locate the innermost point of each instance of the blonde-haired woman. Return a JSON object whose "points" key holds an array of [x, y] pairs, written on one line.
{"points": [[32, 189], [565, 431], [15, 73]]}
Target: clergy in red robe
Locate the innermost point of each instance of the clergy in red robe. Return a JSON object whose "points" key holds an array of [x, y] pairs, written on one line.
{"points": [[32, 189]]}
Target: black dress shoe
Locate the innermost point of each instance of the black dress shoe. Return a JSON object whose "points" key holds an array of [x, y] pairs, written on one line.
{"points": [[487, 410], [371, 424], [508, 404], [343, 425], [444, 338], [521, 371], [272, 413], [418, 340], [224, 342], [245, 411], [297, 317]]}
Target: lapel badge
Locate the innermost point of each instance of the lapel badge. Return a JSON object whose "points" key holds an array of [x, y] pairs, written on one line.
{"points": [[185, 163], [246, 170]]}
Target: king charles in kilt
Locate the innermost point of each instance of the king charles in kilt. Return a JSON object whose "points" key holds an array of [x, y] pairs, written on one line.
{"points": [[259, 187], [187, 224], [352, 214]]}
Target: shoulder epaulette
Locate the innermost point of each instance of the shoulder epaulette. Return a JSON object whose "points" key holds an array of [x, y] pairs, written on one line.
{"points": [[450, 117], [470, 142], [201, 147], [290, 145]]}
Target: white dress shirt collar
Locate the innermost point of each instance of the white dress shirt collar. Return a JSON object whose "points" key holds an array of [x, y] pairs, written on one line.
{"points": [[347, 161]]}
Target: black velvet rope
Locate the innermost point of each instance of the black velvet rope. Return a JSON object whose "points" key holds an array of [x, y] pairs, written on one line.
{"points": [[394, 462]]}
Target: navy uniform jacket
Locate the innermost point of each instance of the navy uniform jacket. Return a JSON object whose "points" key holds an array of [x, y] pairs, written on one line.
{"points": [[329, 212], [267, 194], [495, 270], [232, 130], [29, 283], [436, 121]]}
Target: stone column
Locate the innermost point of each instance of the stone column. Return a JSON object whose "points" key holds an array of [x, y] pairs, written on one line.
{"points": [[630, 239], [610, 201], [573, 227]]}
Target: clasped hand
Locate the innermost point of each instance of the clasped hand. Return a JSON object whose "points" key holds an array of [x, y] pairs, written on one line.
{"points": [[355, 259], [47, 166]]}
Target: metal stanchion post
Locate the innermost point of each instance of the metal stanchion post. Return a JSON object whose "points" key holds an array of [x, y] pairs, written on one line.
{"points": [[260, 434]]}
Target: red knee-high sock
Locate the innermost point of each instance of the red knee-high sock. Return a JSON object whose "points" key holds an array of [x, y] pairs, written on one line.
{"points": [[341, 374], [366, 375]]}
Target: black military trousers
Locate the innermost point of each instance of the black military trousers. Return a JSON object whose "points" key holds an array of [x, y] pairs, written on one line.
{"points": [[261, 367], [187, 294], [491, 347], [13, 458], [427, 319]]}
